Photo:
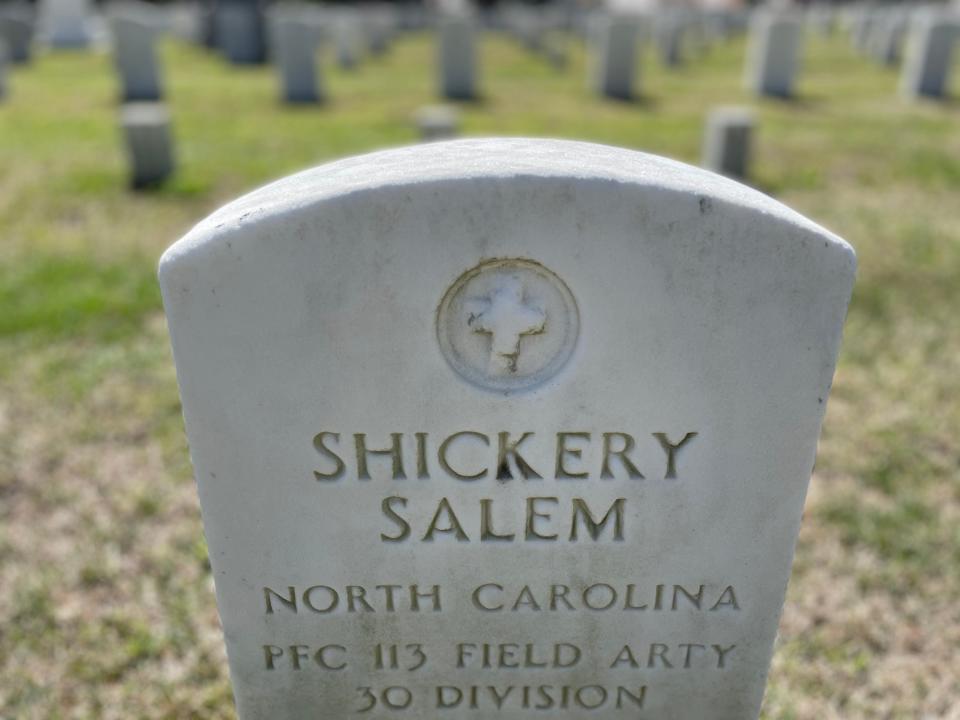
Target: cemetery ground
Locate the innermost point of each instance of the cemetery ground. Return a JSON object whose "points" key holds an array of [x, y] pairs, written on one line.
{"points": [[106, 598]]}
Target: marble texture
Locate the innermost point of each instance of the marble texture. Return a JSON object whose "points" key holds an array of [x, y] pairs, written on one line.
{"points": [[503, 428]]}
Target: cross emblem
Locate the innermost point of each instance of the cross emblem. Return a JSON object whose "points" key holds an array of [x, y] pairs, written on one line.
{"points": [[506, 316]]}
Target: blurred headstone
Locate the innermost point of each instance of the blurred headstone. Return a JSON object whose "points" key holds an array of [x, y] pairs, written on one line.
{"points": [[614, 44], [457, 58], [888, 38], [437, 122], [146, 127], [929, 55], [135, 57], [348, 38], [67, 23], [4, 54], [727, 143], [670, 38], [773, 59], [239, 31], [503, 429], [295, 57], [16, 30]]}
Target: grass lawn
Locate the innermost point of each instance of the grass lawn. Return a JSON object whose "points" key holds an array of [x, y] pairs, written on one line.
{"points": [[106, 602]]}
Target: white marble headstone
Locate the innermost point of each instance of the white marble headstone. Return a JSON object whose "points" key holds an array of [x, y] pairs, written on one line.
{"points": [[503, 428], [929, 57], [614, 49], [457, 57], [773, 58], [67, 23], [135, 57]]}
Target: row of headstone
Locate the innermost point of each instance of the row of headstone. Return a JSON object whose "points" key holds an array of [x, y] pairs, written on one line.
{"points": [[503, 428]]}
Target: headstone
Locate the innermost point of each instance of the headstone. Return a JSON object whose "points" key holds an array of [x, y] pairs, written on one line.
{"points": [[614, 41], [67, 23], [503, 428], [773, 59], [457, 58], [135, 57], [239, 31], [864, 24], [728, 141], [295, 55], [670, 35], [146, 127], [347, 36], [4, 54], [16, 30], [378, 25], [888, 38], [437, 122], [926, 67]]}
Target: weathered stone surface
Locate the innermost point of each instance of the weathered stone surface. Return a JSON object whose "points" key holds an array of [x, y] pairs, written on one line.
{"points": [[503, 428]]}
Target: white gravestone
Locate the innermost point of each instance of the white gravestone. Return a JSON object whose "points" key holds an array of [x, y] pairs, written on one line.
{"points": [[728, 140], [437, 122], [146, 127], [457, 58], [503, 428], [929, 56], [135, 57], [773, 59], [67, 23], [348, 38], [614, 51], [295, 56]]}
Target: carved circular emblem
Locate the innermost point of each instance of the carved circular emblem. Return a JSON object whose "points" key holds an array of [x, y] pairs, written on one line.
{"points": [[507, 325]]}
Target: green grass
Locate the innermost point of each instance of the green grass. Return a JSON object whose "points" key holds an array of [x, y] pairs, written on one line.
{"points": [[105, 592]]}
